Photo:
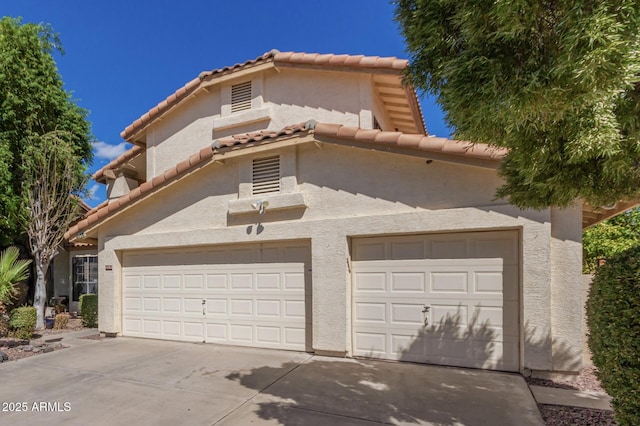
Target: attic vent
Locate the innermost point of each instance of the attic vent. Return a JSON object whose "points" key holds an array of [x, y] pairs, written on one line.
{"points": [[266, 175], [241, 97]]}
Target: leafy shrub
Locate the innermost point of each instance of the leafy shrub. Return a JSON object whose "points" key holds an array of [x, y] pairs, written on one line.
{"points": [[61, 321], [89, 310], [22, 322], [613, 315]]}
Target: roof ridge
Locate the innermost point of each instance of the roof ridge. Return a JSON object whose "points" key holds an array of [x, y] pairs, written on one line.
{"points": [[274, 55]]}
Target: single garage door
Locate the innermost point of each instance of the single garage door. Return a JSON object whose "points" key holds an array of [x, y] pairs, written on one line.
{"points": [[447, 299], [249, 295]]}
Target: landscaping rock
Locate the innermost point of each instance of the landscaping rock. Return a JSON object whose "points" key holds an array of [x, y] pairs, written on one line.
{"points": [[47, 349], [12, 343], [27, 348], [3, 357]]}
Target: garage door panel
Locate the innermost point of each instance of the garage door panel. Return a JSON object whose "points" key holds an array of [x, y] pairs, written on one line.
{"points": [[171, 304], [191, 306], [407, 313], [370, 311], [449, 282], [217, 281], [217, 306], [151, 327], [469, 282], [268, 335], [370, 343], [252, 296], [294, 337], [241, 282], [171, 282], [131, 303], [151, 304], [193, 330], [131, 282], [268, 308], [193, 282], [294, 308], [151, 282], [407, 282], [268, 281], [294, 281], [171, 328], [216, 332]]}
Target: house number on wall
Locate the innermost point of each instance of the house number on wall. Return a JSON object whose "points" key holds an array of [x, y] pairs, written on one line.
{"points": [[108, 267]]}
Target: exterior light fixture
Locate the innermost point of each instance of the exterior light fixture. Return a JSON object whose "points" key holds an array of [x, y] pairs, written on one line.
{"points": [[261, 206]]}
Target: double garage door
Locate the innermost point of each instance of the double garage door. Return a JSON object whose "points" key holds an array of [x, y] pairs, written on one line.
{"points": [[241, 295], [436, 298]]}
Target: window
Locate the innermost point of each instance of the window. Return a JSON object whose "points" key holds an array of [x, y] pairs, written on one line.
{"points": [[241, 97], [85, 275], [265, 177]]}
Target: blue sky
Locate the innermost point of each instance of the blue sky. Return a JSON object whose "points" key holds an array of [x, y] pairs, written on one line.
{"points": [[123, 57]]}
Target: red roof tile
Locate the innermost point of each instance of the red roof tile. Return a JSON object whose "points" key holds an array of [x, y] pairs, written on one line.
{"points": [[337, 131], [293, 58], [418, 142], [128, 155]]}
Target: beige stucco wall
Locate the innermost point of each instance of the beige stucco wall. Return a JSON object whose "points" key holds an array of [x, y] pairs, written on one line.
{"points": [[283, 97], [352, 192], [62, 273], [566, 288]]}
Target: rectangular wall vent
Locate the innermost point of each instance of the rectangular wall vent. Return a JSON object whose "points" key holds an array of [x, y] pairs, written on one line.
{"points": [[241, 97], [266, 175]]}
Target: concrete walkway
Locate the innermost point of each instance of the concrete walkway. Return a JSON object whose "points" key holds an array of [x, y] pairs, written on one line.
{"points": [[147, 382], [570, 397]]}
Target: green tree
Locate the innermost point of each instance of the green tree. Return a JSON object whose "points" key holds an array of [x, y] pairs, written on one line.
{"points": [[556, 82], [611, 237], [33, 103]]}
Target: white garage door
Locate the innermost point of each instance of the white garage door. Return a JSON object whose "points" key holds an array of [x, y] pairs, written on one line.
{"points": [[241, 295], [468, 283]]}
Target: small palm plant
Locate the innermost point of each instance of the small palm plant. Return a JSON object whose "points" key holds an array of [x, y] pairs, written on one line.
{"points": [[12, 271]]}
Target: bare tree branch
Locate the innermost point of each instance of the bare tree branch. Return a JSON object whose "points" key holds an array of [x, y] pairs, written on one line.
{"points": [[50, 182]]}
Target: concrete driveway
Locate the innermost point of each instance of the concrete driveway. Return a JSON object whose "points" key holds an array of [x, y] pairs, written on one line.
{"points": [[126, 381]]}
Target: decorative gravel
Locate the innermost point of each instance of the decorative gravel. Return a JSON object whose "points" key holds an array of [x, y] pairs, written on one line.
{"points": [[558, 415], [586, 381]]}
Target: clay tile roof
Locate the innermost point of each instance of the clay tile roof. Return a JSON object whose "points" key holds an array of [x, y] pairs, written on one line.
{"points": [[418, 142], [261, 135], [315, 59], [128, 155]]}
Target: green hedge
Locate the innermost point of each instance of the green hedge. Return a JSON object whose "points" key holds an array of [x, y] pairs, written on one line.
{"points": [[22, 322], [89, 310], [613, 315]]}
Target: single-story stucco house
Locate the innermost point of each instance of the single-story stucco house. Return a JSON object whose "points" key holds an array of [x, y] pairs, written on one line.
{"points": [[296, 201]]}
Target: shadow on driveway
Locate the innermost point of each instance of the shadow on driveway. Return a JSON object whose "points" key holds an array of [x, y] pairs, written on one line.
{"points": [[341, 391]]}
